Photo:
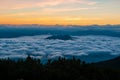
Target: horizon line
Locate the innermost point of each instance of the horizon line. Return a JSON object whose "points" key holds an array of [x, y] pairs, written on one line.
{"points": [[66, 24]]}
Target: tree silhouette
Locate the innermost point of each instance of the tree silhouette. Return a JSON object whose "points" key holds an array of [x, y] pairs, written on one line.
{"points": [[60, 69]]}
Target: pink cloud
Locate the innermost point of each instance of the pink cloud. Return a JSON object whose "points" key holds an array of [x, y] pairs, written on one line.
{"points": [[68, 9], [19, 4]]}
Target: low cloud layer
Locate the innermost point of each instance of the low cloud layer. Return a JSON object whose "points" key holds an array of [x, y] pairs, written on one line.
{"points": [[39, 47]]}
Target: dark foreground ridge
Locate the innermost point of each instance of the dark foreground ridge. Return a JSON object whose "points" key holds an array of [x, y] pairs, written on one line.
{"points": [[61, 69], [113, 63], [61, 37]]}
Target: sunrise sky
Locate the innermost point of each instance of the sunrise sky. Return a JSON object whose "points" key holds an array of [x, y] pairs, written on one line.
{"points": [[65, 12]]}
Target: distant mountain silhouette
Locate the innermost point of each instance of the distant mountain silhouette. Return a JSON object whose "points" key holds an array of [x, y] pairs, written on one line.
{"points": [[61, 37], [113, 63]]}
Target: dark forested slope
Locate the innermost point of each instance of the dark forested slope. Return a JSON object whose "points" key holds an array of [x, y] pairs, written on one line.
{"points": [[61, 69], [113, 63]]}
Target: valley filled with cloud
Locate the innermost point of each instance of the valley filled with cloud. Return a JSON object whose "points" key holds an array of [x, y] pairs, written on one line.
{"points": [[88, 48]]}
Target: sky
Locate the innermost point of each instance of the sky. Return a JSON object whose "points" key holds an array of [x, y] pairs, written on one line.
{"points": [[64, 12]]}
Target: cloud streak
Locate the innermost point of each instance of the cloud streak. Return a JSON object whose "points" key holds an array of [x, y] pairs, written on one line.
{"points": [[20, 4]]}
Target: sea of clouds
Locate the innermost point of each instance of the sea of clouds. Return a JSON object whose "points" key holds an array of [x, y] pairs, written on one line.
{"points": [[90, 48]]}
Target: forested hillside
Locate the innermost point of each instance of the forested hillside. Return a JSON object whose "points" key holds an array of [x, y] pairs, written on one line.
{"points": [[61, 69]]}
